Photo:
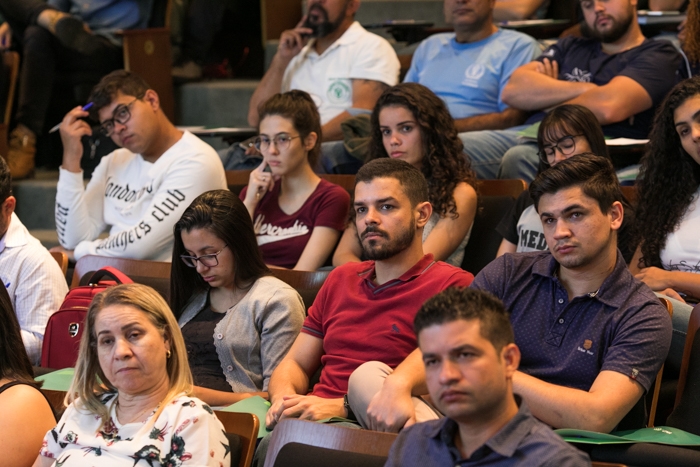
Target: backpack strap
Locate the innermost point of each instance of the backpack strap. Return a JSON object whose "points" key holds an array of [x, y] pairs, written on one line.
{"points": [[111, 273]]}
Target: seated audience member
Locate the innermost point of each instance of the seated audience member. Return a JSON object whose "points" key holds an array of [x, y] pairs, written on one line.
{"points": [[33, 279], [668, 213], [138, 191], [582, 322], [470, 359], [26, 414], [298, 217], [54, 40], [237, 320], [469, 67], [411, 123], [617, 73], [373, 302], [334, 59], [516, 10], [130, 399], [565, 131]]}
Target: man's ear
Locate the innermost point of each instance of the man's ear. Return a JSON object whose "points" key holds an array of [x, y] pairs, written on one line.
{"points": [[352, 7], [310, 140], [617, 214], [510, 354], [423, 211], [151, 97], [8, 207]]}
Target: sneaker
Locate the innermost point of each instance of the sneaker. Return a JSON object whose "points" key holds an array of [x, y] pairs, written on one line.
{"points": [[188, 71], [21, 151]]}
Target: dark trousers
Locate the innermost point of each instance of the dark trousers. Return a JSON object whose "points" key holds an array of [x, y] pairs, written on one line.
{"points": [[44, 58]]}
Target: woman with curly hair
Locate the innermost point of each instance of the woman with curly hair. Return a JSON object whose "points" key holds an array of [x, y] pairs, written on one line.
{"points": [[668, 211], [566, 131], [411, 123]]}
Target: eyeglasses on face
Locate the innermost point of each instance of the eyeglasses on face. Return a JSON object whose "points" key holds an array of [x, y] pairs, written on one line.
{"points": [[207, 260], [121, 115], [281, 141], [565, 145]]}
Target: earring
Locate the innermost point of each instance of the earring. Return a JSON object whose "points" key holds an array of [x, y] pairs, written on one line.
{"points": [[167, 354]]}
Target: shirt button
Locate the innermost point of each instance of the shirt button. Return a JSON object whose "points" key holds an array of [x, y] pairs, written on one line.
{"points": [[561, 320], [561, 300], [219, 336], [229, 368]]}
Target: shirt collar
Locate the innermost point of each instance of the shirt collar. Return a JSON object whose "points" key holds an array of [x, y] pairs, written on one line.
{"points": [[618, 279], [15, 235], [349, 37], [505, 442], [416, 270]]}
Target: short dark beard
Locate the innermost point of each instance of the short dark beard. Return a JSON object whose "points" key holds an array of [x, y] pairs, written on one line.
{"points": [[325, 27], [393, 247], [618, 30]]}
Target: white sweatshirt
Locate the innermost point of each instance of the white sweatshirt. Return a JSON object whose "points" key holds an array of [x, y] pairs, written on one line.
{"points": [[140, 201]]}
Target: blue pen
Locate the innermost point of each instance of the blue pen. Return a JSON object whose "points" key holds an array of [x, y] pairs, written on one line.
{"points": [[85, 107]]}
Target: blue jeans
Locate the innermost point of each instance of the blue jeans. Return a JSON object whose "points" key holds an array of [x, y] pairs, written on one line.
{"points": [[487, 150]]}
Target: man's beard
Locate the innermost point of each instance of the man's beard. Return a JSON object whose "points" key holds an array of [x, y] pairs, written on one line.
{"points": [[325, 26], [614, 34], [392, 247]]}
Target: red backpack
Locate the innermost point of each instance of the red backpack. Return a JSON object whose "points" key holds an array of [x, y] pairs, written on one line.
{"points": [[65, 327]]}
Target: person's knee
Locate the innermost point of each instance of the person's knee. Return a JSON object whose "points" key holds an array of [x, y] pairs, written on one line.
{"points": [[368, 374], [36, 37], [520, 161]]}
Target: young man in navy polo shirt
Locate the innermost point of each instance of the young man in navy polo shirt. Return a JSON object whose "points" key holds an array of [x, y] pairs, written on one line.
{"points": [[364, 313], [592, 337], [470, 359]]}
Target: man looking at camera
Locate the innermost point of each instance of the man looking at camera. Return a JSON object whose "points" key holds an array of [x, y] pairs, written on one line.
{"points": [[329, 55]]}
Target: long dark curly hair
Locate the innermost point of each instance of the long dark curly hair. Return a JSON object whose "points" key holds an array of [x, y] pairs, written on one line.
{"points": [[667, 179], [444, 163]]}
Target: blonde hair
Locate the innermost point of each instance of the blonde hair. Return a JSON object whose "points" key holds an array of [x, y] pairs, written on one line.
{"points": [[90, 382]]}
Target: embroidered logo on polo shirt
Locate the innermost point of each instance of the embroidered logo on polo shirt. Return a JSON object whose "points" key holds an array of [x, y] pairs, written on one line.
{"points": [[395, 328], [587, 345], [339, 92]]}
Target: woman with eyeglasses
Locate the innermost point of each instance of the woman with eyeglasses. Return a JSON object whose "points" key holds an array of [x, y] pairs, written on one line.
{"points": [[566, 131], [298, 217], [409, 122], [237, 320]]}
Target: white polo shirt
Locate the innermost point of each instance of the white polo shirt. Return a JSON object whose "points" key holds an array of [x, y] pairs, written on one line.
{"points": [[357, 54]]}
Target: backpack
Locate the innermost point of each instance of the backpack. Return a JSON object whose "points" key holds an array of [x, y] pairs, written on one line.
{"points": [[65, 327]]}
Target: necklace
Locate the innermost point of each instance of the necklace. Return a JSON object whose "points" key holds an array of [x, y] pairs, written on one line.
{"points": [[131, 419]]}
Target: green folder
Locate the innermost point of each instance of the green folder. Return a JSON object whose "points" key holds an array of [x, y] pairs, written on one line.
{"points": [[57, 380], [660, 435], [255, 405]]}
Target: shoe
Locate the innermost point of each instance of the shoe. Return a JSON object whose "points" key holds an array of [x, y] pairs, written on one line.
{"points": [[21, 152], [188, 71], [72, 34]]}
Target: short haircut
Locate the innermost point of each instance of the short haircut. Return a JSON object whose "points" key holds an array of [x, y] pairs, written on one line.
{"points": [[467, 304], [5, 181], [110, 85], [595, 176], [298, 107], [410, 178]]}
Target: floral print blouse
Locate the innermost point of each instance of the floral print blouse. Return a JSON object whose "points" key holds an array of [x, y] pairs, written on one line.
{"points": [[186, 433]]}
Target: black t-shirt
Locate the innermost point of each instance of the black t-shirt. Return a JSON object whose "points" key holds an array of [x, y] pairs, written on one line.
{"points": [[653, 64]]}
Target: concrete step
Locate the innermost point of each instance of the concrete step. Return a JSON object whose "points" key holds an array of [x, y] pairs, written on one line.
{"points": [[215, 103], [378, 11], [36, 199], [48, 238]]}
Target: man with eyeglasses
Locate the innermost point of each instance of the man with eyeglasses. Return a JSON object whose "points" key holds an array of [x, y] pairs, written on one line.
{"points": [[614, 71], [591, 336], [138, 191]]}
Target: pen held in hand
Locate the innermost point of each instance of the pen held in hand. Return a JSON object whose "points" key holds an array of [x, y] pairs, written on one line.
{"points": [[85, 108]]}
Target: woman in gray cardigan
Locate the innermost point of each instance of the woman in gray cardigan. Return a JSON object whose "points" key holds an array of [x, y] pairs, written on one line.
{"points": [[238, 321]]}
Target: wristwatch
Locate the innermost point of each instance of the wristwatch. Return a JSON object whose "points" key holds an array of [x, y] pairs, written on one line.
{"points": [[346, 404]]}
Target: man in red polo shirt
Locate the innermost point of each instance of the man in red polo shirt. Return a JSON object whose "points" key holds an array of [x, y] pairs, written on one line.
{"points": [[364, 313]]}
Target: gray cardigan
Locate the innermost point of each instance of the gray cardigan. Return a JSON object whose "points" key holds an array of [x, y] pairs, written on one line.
{"points": [[256, 333]]}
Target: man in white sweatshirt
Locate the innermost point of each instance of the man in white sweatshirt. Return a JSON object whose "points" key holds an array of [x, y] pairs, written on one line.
{"points": [[138, 191]]}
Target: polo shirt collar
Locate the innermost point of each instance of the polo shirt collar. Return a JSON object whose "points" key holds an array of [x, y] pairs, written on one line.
{"points": [[416, 270], [609, 292], [505, 442], [15, 235], [349, 37]]}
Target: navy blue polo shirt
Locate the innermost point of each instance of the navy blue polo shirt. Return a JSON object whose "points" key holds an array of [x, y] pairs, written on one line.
{"points": [[522, 441], [622, 328]]}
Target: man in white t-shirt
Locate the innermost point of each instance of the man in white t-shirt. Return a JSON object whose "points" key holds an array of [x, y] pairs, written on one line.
{"points": [[138, 191], [329, 55], [34, 281]]}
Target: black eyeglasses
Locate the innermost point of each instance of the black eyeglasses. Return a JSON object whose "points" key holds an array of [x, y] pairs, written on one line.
{"points": [[207, 260], [282, 141], [565, 145], [120, 115]]}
